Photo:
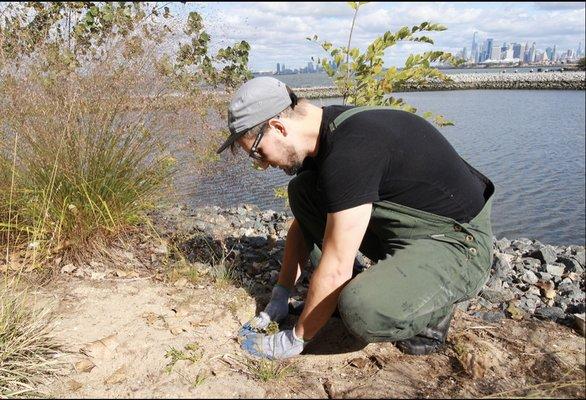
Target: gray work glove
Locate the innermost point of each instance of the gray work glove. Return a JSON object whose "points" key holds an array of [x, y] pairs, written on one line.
{"points": [[277, 310], [284, 344]]}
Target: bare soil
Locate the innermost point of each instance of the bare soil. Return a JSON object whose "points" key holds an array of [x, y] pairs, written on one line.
{"points": [[117, 332]]}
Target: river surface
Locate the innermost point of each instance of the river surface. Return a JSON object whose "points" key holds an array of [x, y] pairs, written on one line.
{"points": [[531, 144]]}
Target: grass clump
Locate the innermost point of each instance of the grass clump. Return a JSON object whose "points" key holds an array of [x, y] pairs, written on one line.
{"points": [[77, 161], [27, 349], [191, 352], [268, 370]]}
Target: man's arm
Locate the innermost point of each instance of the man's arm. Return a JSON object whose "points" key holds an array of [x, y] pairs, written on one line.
{"points": [[344, 232], [295, 257]]}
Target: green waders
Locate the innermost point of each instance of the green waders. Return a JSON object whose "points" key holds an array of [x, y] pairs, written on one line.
{"points": [[424, 263]]}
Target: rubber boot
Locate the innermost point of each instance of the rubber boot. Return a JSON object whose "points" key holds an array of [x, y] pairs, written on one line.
{"points": [[430, 340]]}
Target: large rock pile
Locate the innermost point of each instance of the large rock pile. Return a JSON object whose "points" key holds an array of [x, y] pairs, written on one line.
{"points": [[571, 80], [527, 278]]}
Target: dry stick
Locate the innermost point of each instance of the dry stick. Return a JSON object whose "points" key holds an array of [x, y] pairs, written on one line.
{"points": [[348, 49], [10, 197]]}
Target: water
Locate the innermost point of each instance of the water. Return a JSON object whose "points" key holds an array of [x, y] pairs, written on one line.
{"points": [[322, 79], [531, 144]]}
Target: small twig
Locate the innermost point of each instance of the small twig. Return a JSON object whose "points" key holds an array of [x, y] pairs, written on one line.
{"points": [[481, 327]]}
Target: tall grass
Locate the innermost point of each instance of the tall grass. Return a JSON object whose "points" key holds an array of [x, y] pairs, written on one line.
{"points": [[81, 154], [27, 349]]}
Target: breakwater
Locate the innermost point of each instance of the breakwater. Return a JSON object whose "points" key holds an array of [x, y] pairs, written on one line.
{"points": [[575, 80], [528, 279]]}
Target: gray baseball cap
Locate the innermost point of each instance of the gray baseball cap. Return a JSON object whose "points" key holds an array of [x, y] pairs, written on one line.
{"points": [[254, 102]]}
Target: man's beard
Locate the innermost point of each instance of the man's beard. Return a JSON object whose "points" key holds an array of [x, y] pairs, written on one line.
{"points": [[292, 160]]}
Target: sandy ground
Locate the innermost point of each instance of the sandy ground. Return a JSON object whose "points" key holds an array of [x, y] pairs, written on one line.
{"points": [[117, 332]]}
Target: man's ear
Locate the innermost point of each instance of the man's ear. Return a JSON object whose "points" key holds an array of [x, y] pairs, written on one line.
{"points": [[278, 125]]}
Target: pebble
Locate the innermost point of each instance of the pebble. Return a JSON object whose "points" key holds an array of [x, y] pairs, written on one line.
{"points": [[555, 269]]}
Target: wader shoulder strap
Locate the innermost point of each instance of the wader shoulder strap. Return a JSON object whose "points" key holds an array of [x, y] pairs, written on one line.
{"points": [[348, 113]]}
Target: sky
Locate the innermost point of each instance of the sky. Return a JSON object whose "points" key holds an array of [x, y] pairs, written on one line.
{"points": [[277, 31]]}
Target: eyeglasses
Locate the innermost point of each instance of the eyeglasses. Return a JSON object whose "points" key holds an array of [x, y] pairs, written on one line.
{"points": [[253, 153]]}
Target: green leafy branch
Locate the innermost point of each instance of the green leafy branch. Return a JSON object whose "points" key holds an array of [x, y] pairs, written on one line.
{"points": [[362, 79]]}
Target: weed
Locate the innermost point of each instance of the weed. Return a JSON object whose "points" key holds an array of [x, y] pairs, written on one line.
{"points": [[191, 352], [199, 379], [268, 370]]}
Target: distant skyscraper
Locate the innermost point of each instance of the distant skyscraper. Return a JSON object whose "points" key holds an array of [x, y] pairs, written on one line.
{"points": [[553, 54], [532, 53], [549, 52], [278, 68], [579, 52], [474, 48], [465, 53], [508, 55], [488, 48], [526, 53], [517, 49], [495, 52]]}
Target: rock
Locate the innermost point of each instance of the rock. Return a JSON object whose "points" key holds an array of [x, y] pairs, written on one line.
{"points": [[502, 244], [546, 254], [533, 290], [528, 304], [545, 276], [515, 312], [268, 215], [579, 256], [502, 264], [521, 244], [580, 323], [489, 316], [67, 269], [273, 277], [555, 269], [530, 277], [570, 263], [552, 313], [532, 264], [497, 296]]}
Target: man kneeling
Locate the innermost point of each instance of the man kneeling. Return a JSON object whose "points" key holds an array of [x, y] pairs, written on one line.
{"points": [[374, 179]]}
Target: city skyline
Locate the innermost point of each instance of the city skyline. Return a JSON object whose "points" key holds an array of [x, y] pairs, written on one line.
{"points": [[488, 50], [277, 32]]}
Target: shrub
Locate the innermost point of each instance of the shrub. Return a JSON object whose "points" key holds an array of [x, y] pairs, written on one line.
{"points": [[87, 96]]}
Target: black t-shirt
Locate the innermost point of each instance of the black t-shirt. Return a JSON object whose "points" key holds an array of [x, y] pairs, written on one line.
{"points": [[396, 156]]}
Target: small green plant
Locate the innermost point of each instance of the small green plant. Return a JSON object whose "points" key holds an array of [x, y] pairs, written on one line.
{"points": [[272, 328], [582, 64], [198, 380], [281, 192], [224, 273], [269, 370], [361, 77], [191, 352]]}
